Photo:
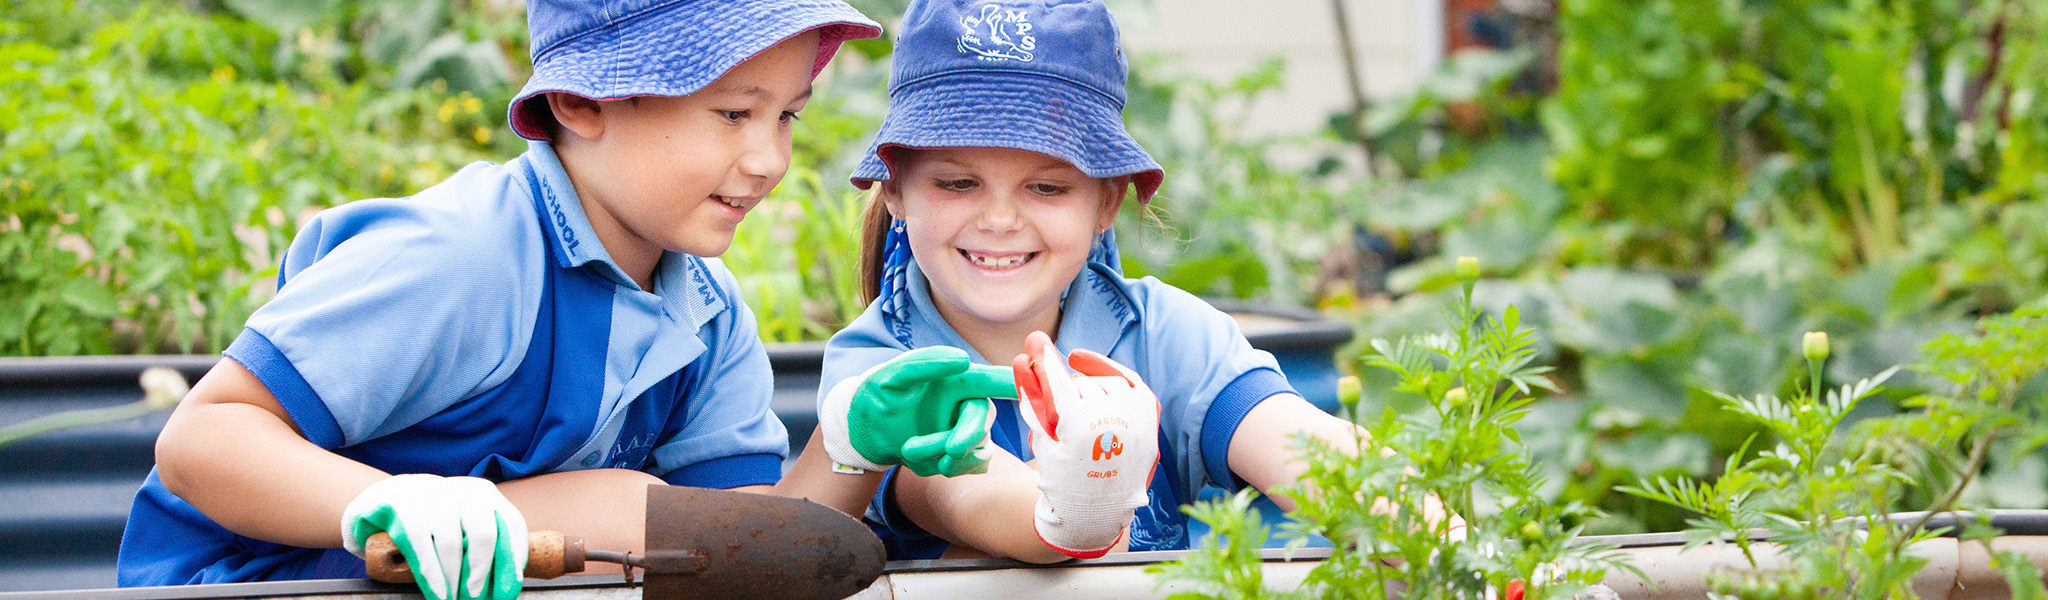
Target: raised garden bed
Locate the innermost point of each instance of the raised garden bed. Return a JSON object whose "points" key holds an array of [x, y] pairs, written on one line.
{"points": [[64, 497], [1955, 571]]}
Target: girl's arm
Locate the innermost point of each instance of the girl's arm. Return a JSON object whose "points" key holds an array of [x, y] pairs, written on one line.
{"points": [[1262, 451], [813, 479], [990, 512]]}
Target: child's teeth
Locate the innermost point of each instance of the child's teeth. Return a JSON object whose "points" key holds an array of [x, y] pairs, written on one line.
{"points": [[998, 263]]}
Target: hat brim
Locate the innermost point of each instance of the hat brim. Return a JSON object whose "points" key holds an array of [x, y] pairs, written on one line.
{"points": [[1013, 110], [678, 49]]}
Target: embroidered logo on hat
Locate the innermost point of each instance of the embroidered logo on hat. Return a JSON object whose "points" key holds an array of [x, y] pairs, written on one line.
{"points": [[997, 34]]}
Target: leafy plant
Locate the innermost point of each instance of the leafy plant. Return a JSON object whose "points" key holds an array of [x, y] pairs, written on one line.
{"points": [[154, 164], [1238, 220], [1827, 501], [1373, 497]]}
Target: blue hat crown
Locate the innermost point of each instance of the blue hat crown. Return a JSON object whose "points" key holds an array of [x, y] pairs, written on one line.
{"points": [[1045, 76], [607, 49], [1070, 40]]}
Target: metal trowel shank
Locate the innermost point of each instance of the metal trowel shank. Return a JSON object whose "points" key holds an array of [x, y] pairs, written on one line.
{"points": [[718, 544]]}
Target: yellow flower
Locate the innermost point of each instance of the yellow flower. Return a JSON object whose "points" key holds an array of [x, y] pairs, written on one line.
{"points": [[447, 112], [483, 136]]}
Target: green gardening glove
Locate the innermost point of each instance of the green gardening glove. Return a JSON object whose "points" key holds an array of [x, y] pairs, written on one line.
{"points": [[462, 539], [926, 409]]}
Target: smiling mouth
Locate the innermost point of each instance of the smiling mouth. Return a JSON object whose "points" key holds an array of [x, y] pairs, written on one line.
{"points": [[998, 262], [738, 203]]}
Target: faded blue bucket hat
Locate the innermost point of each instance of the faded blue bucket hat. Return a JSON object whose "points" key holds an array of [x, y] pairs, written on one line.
{"points": [[611, 49], [1040, 75]]}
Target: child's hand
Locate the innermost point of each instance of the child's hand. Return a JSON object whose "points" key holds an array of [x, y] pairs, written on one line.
{"points": [[461, 537], [927, 410], [1096, 438]]}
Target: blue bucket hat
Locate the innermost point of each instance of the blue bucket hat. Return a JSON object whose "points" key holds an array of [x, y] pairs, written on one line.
{"points": [[611, 49], [1040, 75]]}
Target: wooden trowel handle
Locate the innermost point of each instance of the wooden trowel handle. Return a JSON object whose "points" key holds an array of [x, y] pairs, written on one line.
{"points": [[549, 554]]}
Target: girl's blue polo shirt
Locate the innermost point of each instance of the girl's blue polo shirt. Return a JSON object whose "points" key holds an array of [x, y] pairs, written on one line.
{"points": [[478, 328], [1193, 357]]}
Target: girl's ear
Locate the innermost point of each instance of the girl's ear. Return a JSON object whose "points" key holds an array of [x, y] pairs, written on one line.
{"points": [[890, 191], [1119, 187], [578, 115]]}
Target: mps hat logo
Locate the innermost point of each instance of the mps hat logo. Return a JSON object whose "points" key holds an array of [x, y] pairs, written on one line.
{"points": [[997, 34]]}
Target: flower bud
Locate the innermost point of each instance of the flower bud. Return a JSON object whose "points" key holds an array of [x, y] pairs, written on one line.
{"points": [[1457, 397], [162, 387], [1816, 345], [1349, 390], [1468, 269]]}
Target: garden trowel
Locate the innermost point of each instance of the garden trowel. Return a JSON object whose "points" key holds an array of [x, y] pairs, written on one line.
{"points": [[710, 544]]}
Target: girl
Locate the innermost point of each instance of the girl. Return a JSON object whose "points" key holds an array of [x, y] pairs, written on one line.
{"points": [[1001, 166]]}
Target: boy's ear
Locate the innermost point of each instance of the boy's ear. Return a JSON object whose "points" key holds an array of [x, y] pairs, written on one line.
{"points": [[578, 115]]}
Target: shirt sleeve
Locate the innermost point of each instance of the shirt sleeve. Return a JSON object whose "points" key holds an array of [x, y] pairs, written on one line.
{"points": [[730, 436], [1209, 378], [390, 311]]}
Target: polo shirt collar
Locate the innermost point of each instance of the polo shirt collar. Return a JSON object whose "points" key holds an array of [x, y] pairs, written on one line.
{"points": [[1096, 313], [575, 241]]}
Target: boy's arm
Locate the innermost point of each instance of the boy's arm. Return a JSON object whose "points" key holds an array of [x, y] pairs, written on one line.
{"points": [[234, 453]]}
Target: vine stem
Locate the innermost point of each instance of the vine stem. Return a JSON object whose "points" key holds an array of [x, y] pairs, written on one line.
{"points": [[1978, 454]]}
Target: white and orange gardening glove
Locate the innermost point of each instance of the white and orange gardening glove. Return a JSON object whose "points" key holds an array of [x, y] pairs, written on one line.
{"points": [[1096, 438]]}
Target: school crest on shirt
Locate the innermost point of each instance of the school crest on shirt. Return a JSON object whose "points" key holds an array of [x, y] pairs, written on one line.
{"points": [[997, 34]]}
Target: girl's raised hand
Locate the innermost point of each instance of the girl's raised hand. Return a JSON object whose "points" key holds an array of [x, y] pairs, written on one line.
{"points": [[1095, 436]]}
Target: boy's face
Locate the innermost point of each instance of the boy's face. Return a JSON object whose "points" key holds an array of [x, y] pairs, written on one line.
{"points": [[999, 233], [679, 173]]}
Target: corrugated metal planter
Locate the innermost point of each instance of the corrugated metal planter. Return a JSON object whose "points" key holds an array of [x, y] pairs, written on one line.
{"points": [[1955, 571], [64, 496]]}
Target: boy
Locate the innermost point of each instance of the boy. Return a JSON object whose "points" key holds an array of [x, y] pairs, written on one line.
{"points": [[527, 344]]}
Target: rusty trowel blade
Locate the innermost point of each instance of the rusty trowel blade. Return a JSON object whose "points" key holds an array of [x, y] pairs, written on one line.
{"points": [[718, 544]]}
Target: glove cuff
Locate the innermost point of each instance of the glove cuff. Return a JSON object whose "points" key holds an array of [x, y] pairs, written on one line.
{"points": [[832, 415], [1073, 533], [370, 499]]}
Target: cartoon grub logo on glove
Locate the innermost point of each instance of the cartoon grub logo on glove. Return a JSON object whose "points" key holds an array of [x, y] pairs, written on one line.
{"points": [[997, 35], [1106, 447]]}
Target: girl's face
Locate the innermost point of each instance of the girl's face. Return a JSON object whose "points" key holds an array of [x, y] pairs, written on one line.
{"points": [[1000, 233]]}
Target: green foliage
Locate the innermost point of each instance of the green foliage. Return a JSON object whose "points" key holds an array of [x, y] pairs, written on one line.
{"points": [[797, 265], [1846, 123], [1826, 499], [1233, 218], [1380, 498], [154, 163]]}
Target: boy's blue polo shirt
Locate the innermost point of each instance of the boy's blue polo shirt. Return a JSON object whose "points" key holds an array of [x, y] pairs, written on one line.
{"points": [[479, 328], [1207, 378]]}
